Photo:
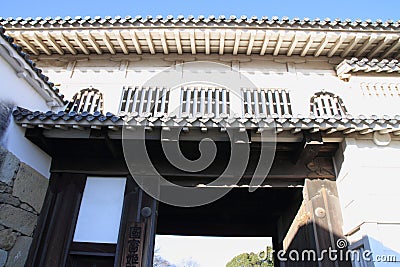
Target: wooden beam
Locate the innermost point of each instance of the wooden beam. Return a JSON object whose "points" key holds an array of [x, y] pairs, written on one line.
{"points": [[192, 42], [366, 44], [251, 42], [54, 43], [40, 43], [221, 42], [178, 41], [207, 42], [26, 43], [337, 44], [395, 47], [78, 40], [381, 45], [149, 42], [135, 42], [293, 44], [279, 41], [93, 42], [67, 43], [321, 47], [353, 43], [309, 148], [265, 43], [236, 44], [164, 42], [107, 42], [121, 42], [308, 44]]}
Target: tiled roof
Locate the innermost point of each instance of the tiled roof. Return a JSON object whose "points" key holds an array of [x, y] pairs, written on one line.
{"points": [[37, 71], [345, 124], [367, 65], [209, 35], [200, 21]]}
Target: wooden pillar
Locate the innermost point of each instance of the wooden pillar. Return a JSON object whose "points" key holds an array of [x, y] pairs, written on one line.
{"points": [[57, 220], [317, 227], [138, 228]]}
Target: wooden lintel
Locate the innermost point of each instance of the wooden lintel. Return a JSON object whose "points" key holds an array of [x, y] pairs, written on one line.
{"points": [[309, 148]]}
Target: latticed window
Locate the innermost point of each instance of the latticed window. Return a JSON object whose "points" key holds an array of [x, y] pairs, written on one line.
{"points": [[327, 104], [381, 89], [87, 100], [204, 101], [151, 101], [266, 102]]}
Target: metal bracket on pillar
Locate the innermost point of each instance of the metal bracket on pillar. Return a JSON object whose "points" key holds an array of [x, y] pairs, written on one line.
{"points": [[309, 148]]}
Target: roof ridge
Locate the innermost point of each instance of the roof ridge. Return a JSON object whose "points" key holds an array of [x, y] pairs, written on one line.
{"points": [[199, 20]]}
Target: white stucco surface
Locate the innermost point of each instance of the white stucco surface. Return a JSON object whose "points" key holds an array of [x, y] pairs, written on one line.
{"points": [[17, 92]]}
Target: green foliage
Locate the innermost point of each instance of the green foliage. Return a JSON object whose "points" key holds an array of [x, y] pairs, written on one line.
{"points": [[262, 259]]}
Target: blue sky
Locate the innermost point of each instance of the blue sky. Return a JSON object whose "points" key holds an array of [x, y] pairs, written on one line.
{"points": [[384, 9]]}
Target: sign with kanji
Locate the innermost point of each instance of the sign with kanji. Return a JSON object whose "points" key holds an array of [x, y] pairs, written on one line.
{"points": [[133, 247]]}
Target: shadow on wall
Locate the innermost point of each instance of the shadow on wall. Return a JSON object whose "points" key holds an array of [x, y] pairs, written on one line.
{"points": [[332, 250], [5, 118], [382, 255], [313, 245]]}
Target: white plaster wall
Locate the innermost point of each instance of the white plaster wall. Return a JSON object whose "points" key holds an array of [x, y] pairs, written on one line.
{"points": [[18, 92], [303, 77], [368, 183]]}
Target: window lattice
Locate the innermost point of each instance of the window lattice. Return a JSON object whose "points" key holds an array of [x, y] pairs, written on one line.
{"points": [[152, 101], [324, 103], [266, 102], [87, 100], [199, 102], [381, 89]]}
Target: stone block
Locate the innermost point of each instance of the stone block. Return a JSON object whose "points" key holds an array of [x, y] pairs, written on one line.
{"points": [[30, 186], [9, 199], [19, 253], [7, 239], [3, 257], [17, 219], [9, 164]]}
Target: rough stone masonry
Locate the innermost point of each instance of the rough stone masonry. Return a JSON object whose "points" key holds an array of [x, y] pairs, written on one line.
{"points": [[22, 192]]}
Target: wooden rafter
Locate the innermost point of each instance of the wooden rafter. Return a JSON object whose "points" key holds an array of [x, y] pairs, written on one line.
{"points": [[178, 41], [93, 42], [322, 45], [26, 43], [308, 44], [192, 42], [353, 43], [251, 42], [164, 42], [366, 44], [381, 45], [149, 42], [107, 42], [278, 45], [293, 45], [135, 42], [392, 49], [337, 44], [236, 44], [53, 43], [67, 43], [265, 43], [40, 43], [207, 42], [221, 42], [121, 42], [78, 40]]}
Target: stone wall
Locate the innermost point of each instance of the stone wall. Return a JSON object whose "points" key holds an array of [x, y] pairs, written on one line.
{"points": [[22, 192]]}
